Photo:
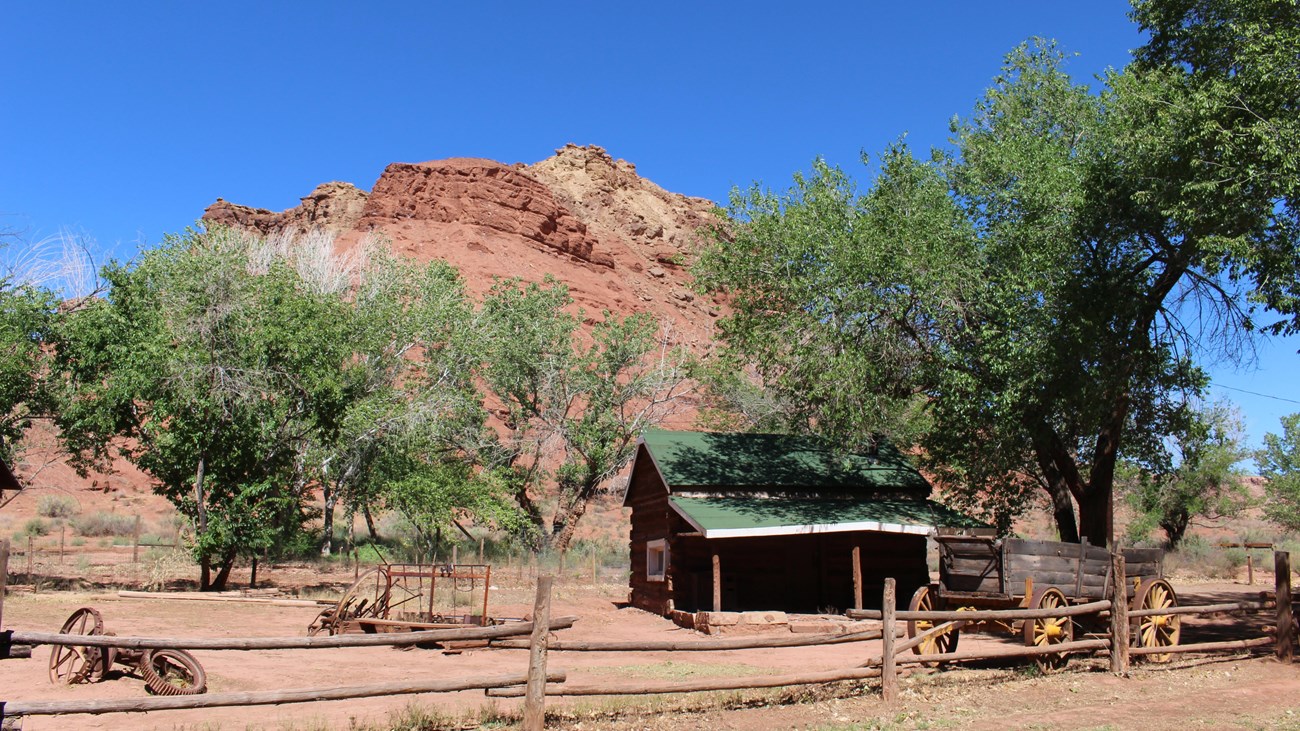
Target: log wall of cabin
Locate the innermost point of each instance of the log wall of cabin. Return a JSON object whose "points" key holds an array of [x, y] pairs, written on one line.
{"points": [[648, 498]]}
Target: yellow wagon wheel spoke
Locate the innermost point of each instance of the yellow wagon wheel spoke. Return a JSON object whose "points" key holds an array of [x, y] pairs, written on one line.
{"points": [[1048, 631], [926, 600], [1157, 630]]}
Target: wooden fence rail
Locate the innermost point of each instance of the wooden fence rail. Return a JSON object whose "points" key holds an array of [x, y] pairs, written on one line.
{"points": [[286, 643], [259, 698]]}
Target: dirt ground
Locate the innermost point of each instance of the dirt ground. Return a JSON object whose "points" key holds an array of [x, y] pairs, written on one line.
{"points": [[1218, 692]]}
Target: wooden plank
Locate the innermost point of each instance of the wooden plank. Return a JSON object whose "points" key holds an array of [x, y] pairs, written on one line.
{"points": [[1006, 614], [1024, 547], [972, 584], [1143, 555], [1063, 580]]}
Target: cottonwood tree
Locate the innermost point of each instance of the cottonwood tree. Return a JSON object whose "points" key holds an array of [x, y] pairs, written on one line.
{"points": [[1040, 288], [1197, 477], [1279, 463], [413, 375], [580, 400], [209, 365]]}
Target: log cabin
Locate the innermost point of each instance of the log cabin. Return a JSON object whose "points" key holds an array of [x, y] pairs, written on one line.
{"points": [[9, 485], [769, 522]]}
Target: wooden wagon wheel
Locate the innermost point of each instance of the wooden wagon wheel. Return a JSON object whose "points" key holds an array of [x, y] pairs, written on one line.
{"points": [[1157, 630], [926, 599], [76, 663], [1049, 630], [172, 672]]}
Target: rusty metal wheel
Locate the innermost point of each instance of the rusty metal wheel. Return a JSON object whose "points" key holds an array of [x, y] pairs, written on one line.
{"points": [[1157, 630], [1049, 630], [367, 598], [76, 663], [172, 672], [926, 599]]}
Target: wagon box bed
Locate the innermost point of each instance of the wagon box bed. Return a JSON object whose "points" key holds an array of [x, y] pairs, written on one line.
{"points": [[974, 569]]}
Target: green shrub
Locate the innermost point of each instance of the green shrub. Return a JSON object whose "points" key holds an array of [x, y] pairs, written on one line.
{"points": [[105, 524], [1197, 557], [57, 506], [36, 527]]}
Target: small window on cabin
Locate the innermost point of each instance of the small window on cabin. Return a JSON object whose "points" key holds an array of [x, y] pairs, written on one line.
{"points": [[656, 560]]}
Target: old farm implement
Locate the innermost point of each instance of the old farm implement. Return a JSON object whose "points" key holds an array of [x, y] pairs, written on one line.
{"points": [[404, 597], [984, 573], [165, 672]]}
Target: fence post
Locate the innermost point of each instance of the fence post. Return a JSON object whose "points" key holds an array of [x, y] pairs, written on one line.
{"points": [[63, 530], [135, 541], [535, 695], [4, 577], [1285, 629], [888, 668], [30, 570], [1250, 569], [1119, 629]]}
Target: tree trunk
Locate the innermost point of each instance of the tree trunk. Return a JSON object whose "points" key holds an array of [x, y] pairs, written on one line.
{"points": [[223, 573], [370, 523], [201, 523], [327, 518], [568, 526], [1095, 515]]}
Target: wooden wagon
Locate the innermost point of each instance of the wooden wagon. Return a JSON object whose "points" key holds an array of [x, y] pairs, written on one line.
{"points": [[985, 573]]}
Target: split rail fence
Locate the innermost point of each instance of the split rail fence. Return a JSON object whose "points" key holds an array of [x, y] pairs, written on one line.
{"points": [[537, 683]]}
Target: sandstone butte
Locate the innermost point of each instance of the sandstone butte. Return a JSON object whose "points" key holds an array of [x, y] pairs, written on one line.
{"points": [[620, 242]]}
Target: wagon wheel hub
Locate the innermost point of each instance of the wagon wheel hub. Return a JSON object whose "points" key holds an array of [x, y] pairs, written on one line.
{"points": [[1053, 631], [1160, 620]]}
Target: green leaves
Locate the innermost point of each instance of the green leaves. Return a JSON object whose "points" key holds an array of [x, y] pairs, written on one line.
{"points": [[1027, 303], [1279, 463]]}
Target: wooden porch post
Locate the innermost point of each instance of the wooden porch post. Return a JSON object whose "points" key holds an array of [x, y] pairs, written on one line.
{"points": [[857, 576], [717, 583]]}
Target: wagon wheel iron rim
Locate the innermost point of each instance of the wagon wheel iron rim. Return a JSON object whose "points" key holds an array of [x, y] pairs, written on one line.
{"points": [[1049, 631], [71, 664], [366, 597], [1157, 630], [172, 672], [926, 600]]}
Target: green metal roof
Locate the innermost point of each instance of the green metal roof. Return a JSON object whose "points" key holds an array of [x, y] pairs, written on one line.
{"points": [[735, 517], [749, 461]]}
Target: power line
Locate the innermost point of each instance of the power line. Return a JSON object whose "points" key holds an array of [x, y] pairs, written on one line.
{"points": [[1256, 393]]}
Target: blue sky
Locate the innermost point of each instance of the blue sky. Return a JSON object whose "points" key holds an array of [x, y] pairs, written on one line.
{"points": [[124, 120]]}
